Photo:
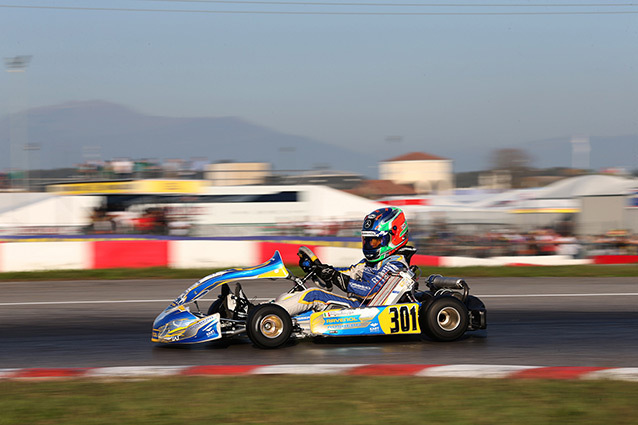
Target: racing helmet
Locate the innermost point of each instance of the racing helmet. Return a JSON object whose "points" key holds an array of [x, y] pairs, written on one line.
{"points": [[384, 231]]}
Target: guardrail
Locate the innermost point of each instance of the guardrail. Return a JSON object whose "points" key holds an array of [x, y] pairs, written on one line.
{"points": [[84, 252]]}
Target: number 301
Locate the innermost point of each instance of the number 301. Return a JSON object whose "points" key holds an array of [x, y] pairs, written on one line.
{"points": [[403, 319]]}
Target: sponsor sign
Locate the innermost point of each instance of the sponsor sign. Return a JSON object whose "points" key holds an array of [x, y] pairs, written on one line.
{"points": [[130, 187]]}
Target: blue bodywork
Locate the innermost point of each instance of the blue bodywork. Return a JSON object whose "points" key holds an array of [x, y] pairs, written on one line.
{"points": [[177, 325]]}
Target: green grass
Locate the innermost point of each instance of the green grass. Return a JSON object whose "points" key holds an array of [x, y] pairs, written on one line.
{"points": [[625, 270], [318, 400]]}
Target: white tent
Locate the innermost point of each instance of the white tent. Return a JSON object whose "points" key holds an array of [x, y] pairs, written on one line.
{"points": [[44, 212], [592, 185]]}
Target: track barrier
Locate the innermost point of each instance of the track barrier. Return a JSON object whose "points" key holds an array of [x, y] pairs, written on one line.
{"points": [[84, 253], [416, 370]]}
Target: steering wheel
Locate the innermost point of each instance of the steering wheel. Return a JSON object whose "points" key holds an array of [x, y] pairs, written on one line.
{"points": [[309, 263], [307, 259]]}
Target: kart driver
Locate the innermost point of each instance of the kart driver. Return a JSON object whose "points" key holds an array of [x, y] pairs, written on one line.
{"points": [[384, 233]]}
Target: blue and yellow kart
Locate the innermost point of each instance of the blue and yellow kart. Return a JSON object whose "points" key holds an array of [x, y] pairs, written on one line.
{"points": [[443, 312]]}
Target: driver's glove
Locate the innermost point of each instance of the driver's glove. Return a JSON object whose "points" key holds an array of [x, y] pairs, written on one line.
{"points": [[306, 264], [307, 259], [329, 275]]}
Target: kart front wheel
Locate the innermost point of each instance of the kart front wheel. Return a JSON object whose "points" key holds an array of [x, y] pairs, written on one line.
{"points": [[216, 307], [268, 326], [445, 319]]}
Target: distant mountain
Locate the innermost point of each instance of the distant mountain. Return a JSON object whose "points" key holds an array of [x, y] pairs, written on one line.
{"points": [[71, 133]]}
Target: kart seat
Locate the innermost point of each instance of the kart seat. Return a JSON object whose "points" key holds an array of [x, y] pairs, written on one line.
{"points": [[391, 291], [407, 251]]}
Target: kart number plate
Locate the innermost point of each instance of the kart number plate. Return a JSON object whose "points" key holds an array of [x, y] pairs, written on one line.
{"points": [[400, 319]]}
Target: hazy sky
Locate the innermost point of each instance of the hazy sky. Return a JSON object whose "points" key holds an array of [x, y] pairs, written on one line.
{"points": [[441, 82]]}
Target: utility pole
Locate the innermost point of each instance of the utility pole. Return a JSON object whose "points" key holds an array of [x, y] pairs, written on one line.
{"points": [[580, 152], [28, 148], [18, 138]]}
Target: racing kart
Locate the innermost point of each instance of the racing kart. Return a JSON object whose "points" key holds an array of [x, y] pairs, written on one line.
{"points": [[443, 312]]}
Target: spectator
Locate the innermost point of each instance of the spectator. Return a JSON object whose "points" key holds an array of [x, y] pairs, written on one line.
{"points": [[568, 245]]}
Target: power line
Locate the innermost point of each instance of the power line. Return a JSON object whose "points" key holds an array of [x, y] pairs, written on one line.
{"points": [[429, 5], [279, 12]]}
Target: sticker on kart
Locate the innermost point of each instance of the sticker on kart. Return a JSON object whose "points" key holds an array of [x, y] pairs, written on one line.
{"points": [[387, 320]]}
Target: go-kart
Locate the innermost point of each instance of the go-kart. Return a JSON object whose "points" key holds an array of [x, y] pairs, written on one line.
{"points": [[443, 312]]}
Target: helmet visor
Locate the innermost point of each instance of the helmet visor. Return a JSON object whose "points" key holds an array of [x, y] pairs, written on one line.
{"points": [[372, 242]]}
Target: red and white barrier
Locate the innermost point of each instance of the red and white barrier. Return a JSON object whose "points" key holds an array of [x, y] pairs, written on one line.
{"points": [[540, 260], [216, 254], [423, 371], [136, 253], [35, 256], [213, 254]]}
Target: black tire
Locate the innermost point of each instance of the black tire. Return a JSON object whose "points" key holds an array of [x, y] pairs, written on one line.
{"points": [[444, 319], [216, 307], [268, 326]]}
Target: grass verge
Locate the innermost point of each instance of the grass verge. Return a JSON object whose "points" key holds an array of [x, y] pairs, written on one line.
{"points": [[625, 270], [318, 400]]}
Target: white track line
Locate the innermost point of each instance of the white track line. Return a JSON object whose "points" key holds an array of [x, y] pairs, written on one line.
{"points": [[612, 294], [103, 302], [26, 303], [83, 302]]}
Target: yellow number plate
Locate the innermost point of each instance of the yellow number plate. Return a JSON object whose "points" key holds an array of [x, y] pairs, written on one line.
{"points": [[400, 319]]}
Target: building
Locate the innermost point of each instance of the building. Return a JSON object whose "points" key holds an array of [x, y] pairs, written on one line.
{"points": [[341, 180], [237, 173], [247, 210], [495, 180], [376, 189], [599, 203], [426, 173]]}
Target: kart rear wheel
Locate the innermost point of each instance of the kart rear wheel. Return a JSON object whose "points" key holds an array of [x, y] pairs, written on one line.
{"points": [[268, 326], [444, 319]]}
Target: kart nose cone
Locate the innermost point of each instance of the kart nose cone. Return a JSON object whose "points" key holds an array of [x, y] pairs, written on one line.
{"points": [[171, 324], [178, 325]]}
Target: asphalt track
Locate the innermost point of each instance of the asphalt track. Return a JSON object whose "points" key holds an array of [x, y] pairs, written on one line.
{"points": [[531, 321]]}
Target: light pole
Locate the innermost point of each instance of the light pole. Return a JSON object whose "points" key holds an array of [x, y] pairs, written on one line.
{"points": [[17, 123], [29, 147], [291, 150], [580, 152]]}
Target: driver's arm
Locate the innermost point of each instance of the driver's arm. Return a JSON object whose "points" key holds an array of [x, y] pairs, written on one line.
{"points": [[329, 274], [308, 261]]}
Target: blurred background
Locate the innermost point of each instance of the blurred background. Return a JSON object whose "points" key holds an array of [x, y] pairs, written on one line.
{"points": [[500, 128]]}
